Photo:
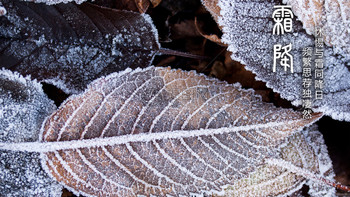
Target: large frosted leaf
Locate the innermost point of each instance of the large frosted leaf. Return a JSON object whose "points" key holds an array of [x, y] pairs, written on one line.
{"points": [[70, 45], [23, 108], [160, 131], [247, 27]]}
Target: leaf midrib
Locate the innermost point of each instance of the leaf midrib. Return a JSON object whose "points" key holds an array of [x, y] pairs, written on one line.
{"points": [[43, 147]]}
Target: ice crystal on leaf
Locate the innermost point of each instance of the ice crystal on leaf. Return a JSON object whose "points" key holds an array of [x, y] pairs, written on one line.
{"points": [[304, 149], [247, 27], [70, 45], [160, 131], [23, 108]]}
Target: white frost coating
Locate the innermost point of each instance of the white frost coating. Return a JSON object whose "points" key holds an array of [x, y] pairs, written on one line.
{"points": [[142, 137], [174, 162], [315, 140], [299, 171], [154, 29], [155, 171], [132, 142], [116, 162], [144, 108], [50, 56], [247, 29], [230, 150], [331, 15], [126, 102], [23, 107], [169, 104], [91, 166]]}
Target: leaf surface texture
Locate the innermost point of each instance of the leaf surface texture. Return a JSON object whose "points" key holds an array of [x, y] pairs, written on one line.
{"points": [[70, 45], [304, 149], [23, 108], [333, 16], [161, 131], [247, 28]]}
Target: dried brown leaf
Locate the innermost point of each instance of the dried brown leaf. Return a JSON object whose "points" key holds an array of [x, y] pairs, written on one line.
{"points": [[160, 131], [155, 3], [212, 37], [142, 5], [213, 7]]}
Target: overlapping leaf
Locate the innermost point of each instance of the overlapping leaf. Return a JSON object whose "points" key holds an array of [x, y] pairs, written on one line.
{"points": [[23, 108], [160, 131], [247, 28], [70, 45], [306, 150], [332, 16]]}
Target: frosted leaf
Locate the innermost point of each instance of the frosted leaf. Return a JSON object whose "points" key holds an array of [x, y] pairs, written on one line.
{"points": [[70, 45], [23, 108], [247, 27], [213, 8], [158, 131], [325, 168], [304, 149], [333, 16]]}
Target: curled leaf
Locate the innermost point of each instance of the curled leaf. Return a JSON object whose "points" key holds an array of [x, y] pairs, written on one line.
{"points": [[213, 7], [212, 37], [70, 45], [155, 3], [161, 132]]}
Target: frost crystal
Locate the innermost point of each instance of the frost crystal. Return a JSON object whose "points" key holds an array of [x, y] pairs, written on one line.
{"points": [[330, 15], [23, 108], [158, 131], [304, 149], [315, 139], [247, 27], [70, 45]]}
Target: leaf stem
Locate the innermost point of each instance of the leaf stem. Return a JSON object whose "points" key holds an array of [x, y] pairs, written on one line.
{"points": [[166, 51], [141, 137]]}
